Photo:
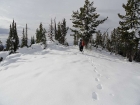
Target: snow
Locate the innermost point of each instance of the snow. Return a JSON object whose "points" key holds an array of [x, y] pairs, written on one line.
{"points": [[4, 54], [131, 30], [62, 75]]}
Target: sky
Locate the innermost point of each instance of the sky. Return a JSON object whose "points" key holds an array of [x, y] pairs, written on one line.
{"points": [[33, 12]]}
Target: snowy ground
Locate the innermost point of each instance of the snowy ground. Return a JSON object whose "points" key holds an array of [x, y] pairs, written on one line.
{"points": [[64, 76]]}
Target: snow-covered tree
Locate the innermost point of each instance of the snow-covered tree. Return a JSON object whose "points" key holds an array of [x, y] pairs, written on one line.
{"points": [[85, 21], [26, 36], [32, 40], [64, 30], [23, 40], [128, 26], [12, 42], [51, 31], [40, 35]]}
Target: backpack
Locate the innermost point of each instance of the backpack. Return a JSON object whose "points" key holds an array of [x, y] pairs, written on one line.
{"points": [[83, 43]]}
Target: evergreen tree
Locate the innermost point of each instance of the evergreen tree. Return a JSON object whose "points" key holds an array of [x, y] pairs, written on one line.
{"points": [[12, 42], [108, 43], [64, 30], [1, 46], [85, 22], [59, 33], [8, 42], [37, 36], [23, 41], [51, 32], [26, 36], [98, 39], [128, 27], [44, 39], [40, 35], [76, 37], [15, 39], [55, 31], [32, 40]]}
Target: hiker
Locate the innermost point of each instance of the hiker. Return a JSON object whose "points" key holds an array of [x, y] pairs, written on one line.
{"points": [[81, 45], [1, 58]]}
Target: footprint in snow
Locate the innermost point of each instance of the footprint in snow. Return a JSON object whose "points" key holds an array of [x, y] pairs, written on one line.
{"points": [[37, 74], [99, 86], [94, 96], [96, 79], [95, 71], [107, 78], [92, 61], [99, 75], [5, 68], [112, 95]]}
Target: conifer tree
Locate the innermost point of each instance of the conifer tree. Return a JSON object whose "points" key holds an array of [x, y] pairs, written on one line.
{"points": [[44, 39], [23, 41], [37, 36], [128, 27], [16, 39], [8, 42], [108, 43], [40, 35], [55, 31], [26, 36], [64, 30], [85, 21], [59, 33], [12, 42], [32, 40], [51, 32], [98, 39], [1, 46]]}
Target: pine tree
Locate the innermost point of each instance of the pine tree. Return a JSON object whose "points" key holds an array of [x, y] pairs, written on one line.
{"points": [[98, 39], [8, 42], [44, 39], [32, 40], [1, 46], [64, 30], [108, 43], [40, 35], [51, 32], [23, 41], [128, 27], [16, 39], [12, 42], [37, 36], [115, 41], [59, 33], [55, 31], [86, 21], [26, 36]]}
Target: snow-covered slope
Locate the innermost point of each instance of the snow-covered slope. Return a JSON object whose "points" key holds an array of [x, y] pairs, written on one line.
{"points": [[63, 76]]}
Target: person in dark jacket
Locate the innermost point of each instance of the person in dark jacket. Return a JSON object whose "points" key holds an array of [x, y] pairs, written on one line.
{"points": [[1, 58], [81, 45]]}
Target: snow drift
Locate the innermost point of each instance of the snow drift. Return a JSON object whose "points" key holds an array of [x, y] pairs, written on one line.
{"points": [[62, 75]]}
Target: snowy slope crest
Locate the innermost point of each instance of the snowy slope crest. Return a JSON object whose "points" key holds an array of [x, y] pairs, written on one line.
{"points": [[60, 75]]}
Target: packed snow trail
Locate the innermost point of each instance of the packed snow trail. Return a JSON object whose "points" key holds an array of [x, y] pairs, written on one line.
{"points": [[64, 76]]}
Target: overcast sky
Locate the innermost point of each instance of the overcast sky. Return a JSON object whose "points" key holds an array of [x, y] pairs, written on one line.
{"points": [[33, 12]]}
